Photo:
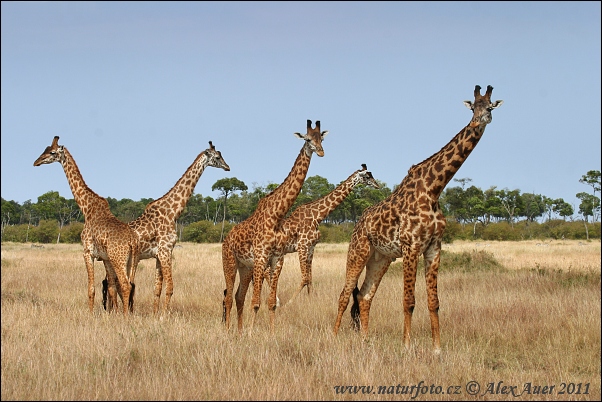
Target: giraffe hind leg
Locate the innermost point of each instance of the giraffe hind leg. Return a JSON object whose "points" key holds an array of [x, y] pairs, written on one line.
{"points": [[376, 268], [431, 263], [356, 261]]}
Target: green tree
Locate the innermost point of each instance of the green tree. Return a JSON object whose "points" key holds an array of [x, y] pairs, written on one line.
{"points": [[29, 215], [313, 188], [563, 208], [556, 206], [452, 202], [463, 181], [128, 210], [589, 204], [533, 206], [10, 214], [511, 203], [592, 178], [226, 186], [52, 206], [493, 205]]}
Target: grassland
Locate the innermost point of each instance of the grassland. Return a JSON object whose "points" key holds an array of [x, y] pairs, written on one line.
{"points": [[517, 313]]}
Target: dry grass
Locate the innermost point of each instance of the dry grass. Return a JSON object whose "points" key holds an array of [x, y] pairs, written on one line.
{"points": [[535, 323], [565, 255]]}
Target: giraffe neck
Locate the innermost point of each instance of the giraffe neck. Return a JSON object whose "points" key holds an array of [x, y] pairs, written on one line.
{"points": [[440, 168], [90, 203], [276, 204], [325, 205], [175, 200]]}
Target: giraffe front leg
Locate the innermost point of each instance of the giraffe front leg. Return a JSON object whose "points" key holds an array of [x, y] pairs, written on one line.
{"points": [[118, 265], [125, 289], [303, 264], [410, 265], [432, 259], [166, 267], [308, 269], [273, 301], [112, 288], [246, 275], [259, 266], [89, 260], [112, 291], [158, 285], [229, 268]]}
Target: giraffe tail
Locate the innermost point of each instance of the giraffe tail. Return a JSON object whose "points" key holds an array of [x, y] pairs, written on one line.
{"points": [[105, 290], [224, 306], [355, 311], [132, 265]]}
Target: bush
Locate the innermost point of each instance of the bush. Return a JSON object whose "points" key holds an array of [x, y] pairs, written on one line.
{"points": [[466, 261], [72, 233], [500, 231], [453, 231], [330, 233], [46, 232], [17, 233], [205, 232], [469, 261]]}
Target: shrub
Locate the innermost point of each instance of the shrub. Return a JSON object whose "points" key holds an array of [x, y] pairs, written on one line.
{"points": [[205, 232], [72, 233], [17, 233], [466, 261], [500, 231], [330, 233], [46, 232]]}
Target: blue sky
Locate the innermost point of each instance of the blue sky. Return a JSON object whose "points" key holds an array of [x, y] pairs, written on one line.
{"points": [[135, 90]]}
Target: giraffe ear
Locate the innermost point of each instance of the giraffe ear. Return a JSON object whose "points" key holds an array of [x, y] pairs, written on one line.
{"points": [[469, 104], [299, 135], [497, 104], [324, 134]]}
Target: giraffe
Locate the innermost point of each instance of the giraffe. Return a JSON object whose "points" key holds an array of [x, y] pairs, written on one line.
{"points": [[248, 248], [299, 231], [407, 224], [104, 237], [156, 227]]}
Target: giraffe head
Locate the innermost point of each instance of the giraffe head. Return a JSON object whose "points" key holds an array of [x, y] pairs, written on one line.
{"points": [[214, 158], [482, 106], [365, 177], [52, 153], [313, 139]]}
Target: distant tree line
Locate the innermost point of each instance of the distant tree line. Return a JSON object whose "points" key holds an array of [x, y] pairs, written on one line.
{"points": [[472, 213]]}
